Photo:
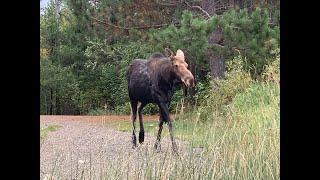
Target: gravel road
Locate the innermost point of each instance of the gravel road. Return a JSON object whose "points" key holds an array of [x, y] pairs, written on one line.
{"points": [[83, 147]]}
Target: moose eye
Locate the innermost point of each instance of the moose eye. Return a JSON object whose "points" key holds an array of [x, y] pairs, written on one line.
{"points": [[176, 65]]}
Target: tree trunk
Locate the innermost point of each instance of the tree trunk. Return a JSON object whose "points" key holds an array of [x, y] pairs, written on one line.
{"points": [[51, 101], [217, 66], [216, 60], [58, 108], [45, 100]]}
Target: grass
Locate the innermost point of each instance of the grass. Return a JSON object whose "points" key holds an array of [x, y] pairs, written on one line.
{"points": [[183, 130], [241, 142], [253, 111], [44, 131]]}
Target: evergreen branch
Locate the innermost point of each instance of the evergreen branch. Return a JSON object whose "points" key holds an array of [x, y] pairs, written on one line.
{"points": [[199, 66], [137, 27]]}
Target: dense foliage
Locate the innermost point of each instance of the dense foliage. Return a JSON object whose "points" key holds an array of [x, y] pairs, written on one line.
{"points": [[86, 47]]}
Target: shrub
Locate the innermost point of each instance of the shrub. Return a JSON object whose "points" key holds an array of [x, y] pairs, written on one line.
{"points": [[224, 90], [123, 109], [272, 70], [97, 112]]}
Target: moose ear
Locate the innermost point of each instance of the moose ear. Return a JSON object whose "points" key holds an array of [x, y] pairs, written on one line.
{"points": [[168, 53], [180, 55]]}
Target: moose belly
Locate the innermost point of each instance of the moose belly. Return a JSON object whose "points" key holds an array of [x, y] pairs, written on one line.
{"points": [[141, 94]]}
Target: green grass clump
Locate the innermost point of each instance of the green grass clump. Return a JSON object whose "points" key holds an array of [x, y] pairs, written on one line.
{"points": [[44, 131]]}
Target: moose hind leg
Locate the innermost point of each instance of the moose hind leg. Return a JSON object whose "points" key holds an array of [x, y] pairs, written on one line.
{"points": [[141, 133], [134, 117]]}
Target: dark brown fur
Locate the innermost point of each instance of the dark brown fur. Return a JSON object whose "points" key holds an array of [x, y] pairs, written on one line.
{"points": [[153, 81]]}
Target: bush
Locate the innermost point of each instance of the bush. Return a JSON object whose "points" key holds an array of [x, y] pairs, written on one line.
{"points": [[176, 100], [272, 70], [107, 66], [97, 112], [123, 109], [222, 91], [215, 96], [151, 109], [62, 84]]}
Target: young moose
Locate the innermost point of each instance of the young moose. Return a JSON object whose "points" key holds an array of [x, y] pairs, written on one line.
{"points": [[152, 81]]}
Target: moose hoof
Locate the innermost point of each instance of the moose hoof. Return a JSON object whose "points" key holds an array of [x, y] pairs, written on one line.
{"points": [[157, 147], [141, 137], [134, 142], [175, 148], [134, 145]]}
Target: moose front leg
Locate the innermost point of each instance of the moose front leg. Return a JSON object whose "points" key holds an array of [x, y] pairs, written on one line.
{"points": [[141, 132], [157, 145], [133, 118], [165, 114]]}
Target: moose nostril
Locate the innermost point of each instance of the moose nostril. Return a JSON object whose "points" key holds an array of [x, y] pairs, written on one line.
{"points": [[191, 82]]}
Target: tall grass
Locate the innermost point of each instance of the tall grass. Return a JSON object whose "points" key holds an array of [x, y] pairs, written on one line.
{"points": [[241, 143], [244, 142]]}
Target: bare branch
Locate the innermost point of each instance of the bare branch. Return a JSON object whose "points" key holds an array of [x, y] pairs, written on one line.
{"points": [[237, 50], [109, 24], [205, 12], [138, 27], [185, 2], [200, 8], [166, 4]]}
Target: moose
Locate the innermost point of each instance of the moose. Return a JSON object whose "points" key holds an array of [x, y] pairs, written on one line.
{"points": [[153, 81]]}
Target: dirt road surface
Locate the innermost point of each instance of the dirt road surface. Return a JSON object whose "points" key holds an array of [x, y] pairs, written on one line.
{"points": [[84, 147]]}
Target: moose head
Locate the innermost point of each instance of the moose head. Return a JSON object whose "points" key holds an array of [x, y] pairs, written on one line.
{"points": [[180, 67]]}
